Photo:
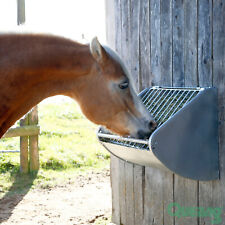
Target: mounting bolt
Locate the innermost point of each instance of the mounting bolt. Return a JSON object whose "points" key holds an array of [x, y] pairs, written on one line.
{"points": [[154, 145]]}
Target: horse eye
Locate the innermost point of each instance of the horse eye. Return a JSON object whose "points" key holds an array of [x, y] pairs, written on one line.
{"points": [[123, 85]]}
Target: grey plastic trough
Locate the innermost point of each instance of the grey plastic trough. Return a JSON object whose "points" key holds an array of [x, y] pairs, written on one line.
{"points": [[186, 139]]}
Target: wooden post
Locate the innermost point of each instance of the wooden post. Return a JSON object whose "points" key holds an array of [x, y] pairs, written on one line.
{"points": [[28, 133], [20, 12], [24, 148], [33, 142]]}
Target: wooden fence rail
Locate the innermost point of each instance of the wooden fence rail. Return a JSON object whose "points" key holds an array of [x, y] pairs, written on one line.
{"points": [[28, 130], [28, 133]]}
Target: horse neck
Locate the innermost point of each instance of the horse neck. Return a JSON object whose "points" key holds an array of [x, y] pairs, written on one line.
{"points": [[36, 67]]}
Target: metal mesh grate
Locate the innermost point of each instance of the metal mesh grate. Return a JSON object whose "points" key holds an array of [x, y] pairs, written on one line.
{"points": [[162, 103]]}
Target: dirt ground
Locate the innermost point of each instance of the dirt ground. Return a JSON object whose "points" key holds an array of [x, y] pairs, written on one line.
{"points": [[82, 202]]}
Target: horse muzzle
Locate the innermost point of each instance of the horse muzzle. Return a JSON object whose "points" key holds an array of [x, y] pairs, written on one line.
{"points": [[146, 131]]}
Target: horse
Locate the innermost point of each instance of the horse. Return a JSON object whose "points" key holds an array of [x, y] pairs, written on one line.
{"points": [[36, 66]]}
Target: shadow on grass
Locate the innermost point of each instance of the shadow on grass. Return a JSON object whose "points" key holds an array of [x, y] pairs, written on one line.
{"points": [[20, 187]]}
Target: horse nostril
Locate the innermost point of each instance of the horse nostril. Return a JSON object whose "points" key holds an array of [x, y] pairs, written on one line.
{"points": [[152, 125], [141, 134]]}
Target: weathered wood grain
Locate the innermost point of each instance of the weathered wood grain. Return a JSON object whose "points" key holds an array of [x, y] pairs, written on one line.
{"points": [[190, 43], [122, 192], [112, 10], [118, 29], [123, 51], [144, 43], [114, 176], [129, 194], [145, 80], [24, 149], [205, 20], [134, 14], [139, 194], [166, 42], [153, 207], [125, 32], [219, 82], [186, 195], [126, 53], [134, 67], [166, 80], [155, 56], [153, 202], [185, 73], [110, 16], [178, 42], [181, 43], [157, 194], [205, 42], [118, 216], [33, 142]]}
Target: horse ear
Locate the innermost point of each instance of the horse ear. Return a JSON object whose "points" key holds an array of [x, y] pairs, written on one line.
{"points": [[97, 50]]}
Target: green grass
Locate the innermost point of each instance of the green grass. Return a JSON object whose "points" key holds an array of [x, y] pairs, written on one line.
{"points": [[67, 146]]}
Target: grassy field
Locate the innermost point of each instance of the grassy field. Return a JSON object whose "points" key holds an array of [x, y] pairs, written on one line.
{"points": [[67, 145]]}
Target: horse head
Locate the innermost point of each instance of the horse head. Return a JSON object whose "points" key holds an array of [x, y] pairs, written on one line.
{"points": [[110, 99]]}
